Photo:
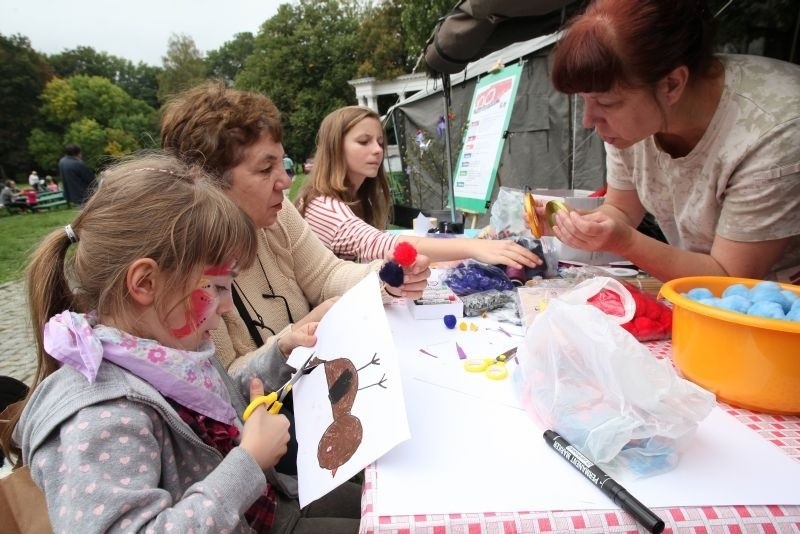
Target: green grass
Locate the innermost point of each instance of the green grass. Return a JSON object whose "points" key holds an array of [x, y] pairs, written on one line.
{"points": [[297, 183], [21, 233]]}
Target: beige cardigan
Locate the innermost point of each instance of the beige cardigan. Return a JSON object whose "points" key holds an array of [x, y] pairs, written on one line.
{"points": [[301, 269]]}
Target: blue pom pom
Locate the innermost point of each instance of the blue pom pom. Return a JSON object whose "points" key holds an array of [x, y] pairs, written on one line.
{"points": [[791, 298], [767, 294], [736, 289], [392, 274], [698, 293], [767, 309], [710, 301], [767, 285], [450, 321], [737, 303]]}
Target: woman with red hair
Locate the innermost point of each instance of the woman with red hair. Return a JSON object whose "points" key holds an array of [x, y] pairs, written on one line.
{"points": [[707, 143]]}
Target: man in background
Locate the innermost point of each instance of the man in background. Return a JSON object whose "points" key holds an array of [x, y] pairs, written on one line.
{"points": [[288, 166], [34, 181], [77, 178]]}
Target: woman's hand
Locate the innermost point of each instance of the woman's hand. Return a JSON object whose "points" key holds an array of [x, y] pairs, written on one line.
{"points": [[593, 231], [265, 435], [415, 279], [502, 252], [540, 211], [300, 335]]}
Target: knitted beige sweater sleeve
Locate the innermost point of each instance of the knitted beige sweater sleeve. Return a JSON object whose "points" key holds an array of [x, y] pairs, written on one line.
{"points": [[293, 264]]}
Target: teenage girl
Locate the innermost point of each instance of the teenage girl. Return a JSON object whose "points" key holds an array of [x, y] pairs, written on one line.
{"points": [[346, 200]]}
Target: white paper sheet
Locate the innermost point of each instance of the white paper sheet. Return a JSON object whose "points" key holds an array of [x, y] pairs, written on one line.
{"points": [[468, 455], [445, 369], [355, 328]]}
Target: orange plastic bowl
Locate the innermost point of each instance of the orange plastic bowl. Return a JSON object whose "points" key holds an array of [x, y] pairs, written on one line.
{"points": [[746, 361]]}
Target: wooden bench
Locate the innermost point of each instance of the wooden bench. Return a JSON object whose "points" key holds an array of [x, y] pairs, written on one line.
{"points": [[12, 209], [49, 200]]}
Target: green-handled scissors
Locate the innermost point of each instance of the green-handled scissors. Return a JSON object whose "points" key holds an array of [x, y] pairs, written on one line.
{"points": [[274, 401], [495, 368]]}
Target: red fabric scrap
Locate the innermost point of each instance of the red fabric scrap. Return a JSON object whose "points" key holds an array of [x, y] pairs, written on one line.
{"points": [[652, 320]]}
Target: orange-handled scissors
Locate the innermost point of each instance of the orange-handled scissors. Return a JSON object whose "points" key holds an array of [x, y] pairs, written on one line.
{"points": [[495, 368], [274, 401]]}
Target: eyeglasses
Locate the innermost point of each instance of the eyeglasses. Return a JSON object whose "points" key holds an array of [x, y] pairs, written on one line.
{"points": [[268, 296], [246, 314], [247, 310]]}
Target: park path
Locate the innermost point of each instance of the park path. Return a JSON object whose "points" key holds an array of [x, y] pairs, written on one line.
{"points": [[17, 352]]}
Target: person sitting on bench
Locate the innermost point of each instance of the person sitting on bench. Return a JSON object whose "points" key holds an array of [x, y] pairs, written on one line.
{"points": [[9, 197]]}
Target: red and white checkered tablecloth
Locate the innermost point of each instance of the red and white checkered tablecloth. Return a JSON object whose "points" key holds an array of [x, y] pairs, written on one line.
{"points": [[783, 431]]}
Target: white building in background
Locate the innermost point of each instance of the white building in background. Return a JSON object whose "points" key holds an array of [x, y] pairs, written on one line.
{"points": [[369, 89]]}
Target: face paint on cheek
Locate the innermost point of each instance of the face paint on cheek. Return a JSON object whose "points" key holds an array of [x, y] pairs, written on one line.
{"points": [[201, 306]]}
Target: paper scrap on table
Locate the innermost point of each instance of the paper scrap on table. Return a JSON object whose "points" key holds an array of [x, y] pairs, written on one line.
{"points": [[350, 410], [442, 367]]}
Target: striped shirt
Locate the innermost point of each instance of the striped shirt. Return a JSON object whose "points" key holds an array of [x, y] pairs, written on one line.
{"points": [[348, 236]]}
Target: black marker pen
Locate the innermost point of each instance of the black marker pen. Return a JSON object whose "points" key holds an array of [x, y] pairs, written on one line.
{"points": [[608, 485]]}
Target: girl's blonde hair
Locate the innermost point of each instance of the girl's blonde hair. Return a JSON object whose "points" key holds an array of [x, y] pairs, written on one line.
{"points": [[372, 201], [150, 206]]}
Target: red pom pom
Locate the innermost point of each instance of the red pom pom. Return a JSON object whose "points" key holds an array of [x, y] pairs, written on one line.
{"points": [[641, 304], [405, 254], [645, 327], [666, 319], [653, 310]]}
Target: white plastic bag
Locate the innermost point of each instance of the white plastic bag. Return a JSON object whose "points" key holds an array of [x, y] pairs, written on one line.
{"points": [[591, 287], [508, 215], [590, 380]]}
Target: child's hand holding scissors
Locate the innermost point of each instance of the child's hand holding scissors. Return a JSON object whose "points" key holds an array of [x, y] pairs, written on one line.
{"points": [[265, 435]]}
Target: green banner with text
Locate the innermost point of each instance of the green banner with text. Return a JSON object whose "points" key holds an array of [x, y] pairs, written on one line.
{"points": [[482, 145]]}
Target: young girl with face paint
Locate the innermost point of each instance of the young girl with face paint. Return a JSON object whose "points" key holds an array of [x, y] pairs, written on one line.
{"points": [[132, 423]]}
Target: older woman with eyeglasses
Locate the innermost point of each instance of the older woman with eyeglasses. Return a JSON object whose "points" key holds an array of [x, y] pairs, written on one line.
{"points": [[237, 135]]}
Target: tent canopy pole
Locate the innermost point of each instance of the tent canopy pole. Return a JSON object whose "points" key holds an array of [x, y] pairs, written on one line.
{"points": [[447, 147]]}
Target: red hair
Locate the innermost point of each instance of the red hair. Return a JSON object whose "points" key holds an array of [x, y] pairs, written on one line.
{"points": [[632, 43]]}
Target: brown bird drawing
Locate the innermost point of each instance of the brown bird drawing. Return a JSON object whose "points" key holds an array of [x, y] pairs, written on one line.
{"points": [[343, 436]]}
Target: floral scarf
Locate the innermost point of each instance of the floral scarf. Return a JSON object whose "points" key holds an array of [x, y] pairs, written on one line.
{"points": [[188, 377]]}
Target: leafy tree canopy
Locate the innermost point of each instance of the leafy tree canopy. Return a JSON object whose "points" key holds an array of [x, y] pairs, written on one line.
{"points": [[226, 62], [94, 113], [303, 58], [419, 19], [184, 67], [85, 60], [139, 81], [382, 48], [23, 74]]}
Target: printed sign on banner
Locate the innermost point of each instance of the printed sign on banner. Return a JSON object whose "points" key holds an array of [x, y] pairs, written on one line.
{"points": [[488, 120]]}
